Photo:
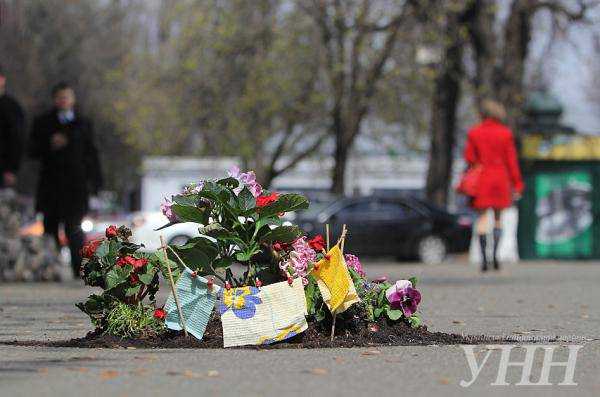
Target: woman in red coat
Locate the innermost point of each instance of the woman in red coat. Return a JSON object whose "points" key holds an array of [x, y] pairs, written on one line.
{"points": [[490, 145]]}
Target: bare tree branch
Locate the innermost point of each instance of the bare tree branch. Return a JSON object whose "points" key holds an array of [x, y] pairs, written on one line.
{"points": [[557, 7]]}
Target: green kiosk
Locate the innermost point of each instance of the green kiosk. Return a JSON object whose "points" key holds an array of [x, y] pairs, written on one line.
{"points": [[559, 212]]}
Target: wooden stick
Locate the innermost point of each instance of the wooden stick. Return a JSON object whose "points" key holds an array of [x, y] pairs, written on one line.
{"points": [[341, 243], [327, 235], [333, 326], [181, 319], [343, 238]]}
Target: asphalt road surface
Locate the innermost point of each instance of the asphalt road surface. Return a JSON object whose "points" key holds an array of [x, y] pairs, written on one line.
{"points": [[529, 301]]}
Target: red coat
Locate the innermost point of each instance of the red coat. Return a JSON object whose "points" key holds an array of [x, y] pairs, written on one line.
{"points": [[491, 145]]}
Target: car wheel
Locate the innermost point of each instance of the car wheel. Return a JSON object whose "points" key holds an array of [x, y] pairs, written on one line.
{"points": [[179, 240], [432, 250]]}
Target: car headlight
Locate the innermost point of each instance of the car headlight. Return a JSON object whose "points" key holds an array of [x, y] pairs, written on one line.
{"points": [[87, 225]]}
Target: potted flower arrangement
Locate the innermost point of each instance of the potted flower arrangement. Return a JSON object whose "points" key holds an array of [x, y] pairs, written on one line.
{"points": [[241, 226]]}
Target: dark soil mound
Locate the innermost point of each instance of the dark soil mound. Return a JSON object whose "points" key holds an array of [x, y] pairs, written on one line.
{"points": [[351, 331]]}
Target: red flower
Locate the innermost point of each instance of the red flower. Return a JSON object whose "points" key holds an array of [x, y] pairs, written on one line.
{"points": [[122, 261], [317, 243], [111, 231], [133, 278], [90, 248], [139, 263], [262, 201], [160, 314], [130, 260]]}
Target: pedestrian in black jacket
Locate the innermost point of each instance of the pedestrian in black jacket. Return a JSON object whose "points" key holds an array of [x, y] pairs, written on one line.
{"points": [[11, 135], [63, 141]]}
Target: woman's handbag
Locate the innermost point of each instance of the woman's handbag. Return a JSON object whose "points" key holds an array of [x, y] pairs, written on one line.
{"points": [[469, 181]]}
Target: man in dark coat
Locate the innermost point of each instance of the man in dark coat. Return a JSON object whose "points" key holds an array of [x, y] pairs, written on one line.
{"points": [[11, 135], [63, 141]]}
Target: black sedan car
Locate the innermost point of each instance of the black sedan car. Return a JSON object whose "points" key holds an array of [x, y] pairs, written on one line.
{"points": [[400, 227]]}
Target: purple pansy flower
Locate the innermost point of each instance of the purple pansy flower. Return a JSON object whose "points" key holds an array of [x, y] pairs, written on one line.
{"points": [[166, 209], [403, 296]]}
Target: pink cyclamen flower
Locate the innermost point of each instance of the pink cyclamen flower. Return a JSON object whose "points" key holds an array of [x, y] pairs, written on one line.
{"points": [[353, 263], [167, 210], [403, 296], [247, 179], [301, 256]]}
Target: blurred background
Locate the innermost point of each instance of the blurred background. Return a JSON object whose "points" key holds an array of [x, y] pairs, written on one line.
{"points": [[362, 105]]}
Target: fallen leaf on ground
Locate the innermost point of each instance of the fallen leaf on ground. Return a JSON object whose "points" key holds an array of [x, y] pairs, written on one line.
{"points": [[319, 371], [459, 322], [79, 369], [212, 373], [108, 374], [145, 358], [339, 360], [444, 381], [191, 375], [371, 352], [42, 370], [551, 306], [139, 371]]}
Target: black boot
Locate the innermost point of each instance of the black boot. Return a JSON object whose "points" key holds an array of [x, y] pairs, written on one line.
{"points": [[497, 236], [483, 245]]}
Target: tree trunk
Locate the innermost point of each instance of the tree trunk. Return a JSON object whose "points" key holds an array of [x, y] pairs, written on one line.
{"points": [[509, 79], [480, 18], [340, 158], [443, 116]]}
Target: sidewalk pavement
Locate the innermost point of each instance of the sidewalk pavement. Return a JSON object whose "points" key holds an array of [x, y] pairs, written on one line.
{"points": [[535, 300]]}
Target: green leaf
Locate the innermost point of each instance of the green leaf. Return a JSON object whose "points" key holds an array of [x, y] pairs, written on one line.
{"points": [[103, 249], [285, 203], [187, 213], [213, 230], [132, 290], [146, 278], [116, 276], [320, 315], [159, 260], [246, 200], [415, 320], [198, 252], [264, 221], [190, 200], [394, 314], [283, 234], [94, 304], [377, 312], [222, 262], [414, 281], [229, 182]]}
